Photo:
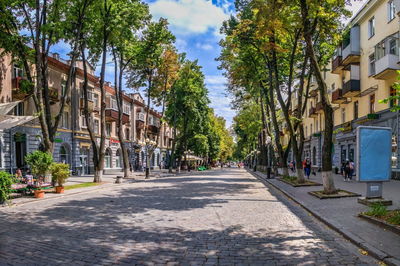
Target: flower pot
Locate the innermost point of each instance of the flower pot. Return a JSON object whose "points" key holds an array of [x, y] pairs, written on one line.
{"points": [[59, 189], [39, 194]]}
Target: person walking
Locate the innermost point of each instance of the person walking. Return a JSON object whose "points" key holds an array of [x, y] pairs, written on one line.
{"points": [[351, 169], [347, 170], [307, 168]]}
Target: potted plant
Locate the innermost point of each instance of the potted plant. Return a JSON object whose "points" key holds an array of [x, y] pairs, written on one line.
{"points": [[39, 163], [59, 174], [6, 180]]}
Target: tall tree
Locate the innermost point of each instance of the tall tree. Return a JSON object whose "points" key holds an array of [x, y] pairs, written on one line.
{"points": [[28, 31], [322, 18], [155, 38]]}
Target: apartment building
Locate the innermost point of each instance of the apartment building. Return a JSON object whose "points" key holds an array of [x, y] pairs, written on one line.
{"points": [[362, 72], [72, 143]]}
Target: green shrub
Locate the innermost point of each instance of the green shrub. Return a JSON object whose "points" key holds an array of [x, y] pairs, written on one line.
{"points": [[39, 162], [59, 173], [377, 210], [6, 181], [395, 219]]}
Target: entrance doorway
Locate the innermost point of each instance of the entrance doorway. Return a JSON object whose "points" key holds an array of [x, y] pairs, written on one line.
{"points": [[84, 161], [20, 149]]}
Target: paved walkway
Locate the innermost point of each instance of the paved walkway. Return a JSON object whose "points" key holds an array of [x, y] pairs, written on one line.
{"points": [[342, 214], [222, 217]]}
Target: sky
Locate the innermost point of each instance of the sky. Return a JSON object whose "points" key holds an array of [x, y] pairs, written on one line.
{"points": [[196, 25]]}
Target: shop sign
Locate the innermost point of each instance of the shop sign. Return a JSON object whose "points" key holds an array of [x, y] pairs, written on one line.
{"points": [[58, 140], [19, 137]]}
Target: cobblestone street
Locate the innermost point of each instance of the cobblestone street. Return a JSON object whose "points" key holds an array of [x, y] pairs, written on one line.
{"points": [[224, 217]]}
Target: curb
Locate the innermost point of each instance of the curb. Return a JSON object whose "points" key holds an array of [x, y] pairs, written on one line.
{"points": [[374, 252]]}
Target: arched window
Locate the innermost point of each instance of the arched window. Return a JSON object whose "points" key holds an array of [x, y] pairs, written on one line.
{"points": [[118, 159], [314, 156], [107, 158], [64, 154], [152, 159]]}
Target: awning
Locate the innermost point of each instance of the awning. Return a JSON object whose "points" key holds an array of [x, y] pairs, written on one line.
{"points": [[192, 158], [5, 108], [9, 121]]}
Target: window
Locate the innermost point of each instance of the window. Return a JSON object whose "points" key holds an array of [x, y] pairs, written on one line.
{"points": [[63, 87], [391, 10], [19, 109], [393, 46], [343, 115], [392, 102], [311, 130], [108, 129], [65, 120], [306, 133], [355, 109], [118, 159], [372, 104], [127, 134], [96, 126], [126, 109], [18, 72], [113, 103], [371, 27], [96, 100], [372, 64], [83, 119], [64, 158], [107, 158]]}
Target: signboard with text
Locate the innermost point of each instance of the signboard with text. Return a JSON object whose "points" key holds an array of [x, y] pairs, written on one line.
{"points": [[374, 151]]}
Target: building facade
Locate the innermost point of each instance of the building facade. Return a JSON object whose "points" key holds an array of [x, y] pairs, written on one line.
{"points": [[72, 143], [362, 72]]}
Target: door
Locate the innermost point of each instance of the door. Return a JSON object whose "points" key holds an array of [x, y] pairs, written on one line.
{"points": [[20, 149]]}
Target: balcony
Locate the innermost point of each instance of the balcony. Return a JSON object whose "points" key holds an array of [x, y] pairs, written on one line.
{"points": [[139, 124], [351, 88], [337, 65], [153, 129], [386, 66], [351, 52], [17, 93], [112, 115], [313, 112], [337, 97], [319, 108]]}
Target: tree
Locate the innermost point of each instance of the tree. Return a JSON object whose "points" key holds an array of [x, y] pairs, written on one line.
{"points": [[322, 18], [128, 18], [155, 39], [28, 31]]}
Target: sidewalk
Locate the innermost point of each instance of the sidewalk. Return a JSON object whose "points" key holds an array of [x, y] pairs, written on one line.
{"points": [[341, 214]]}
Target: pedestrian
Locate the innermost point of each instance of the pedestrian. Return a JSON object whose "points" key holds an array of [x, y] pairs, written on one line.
{"points": [[347, 170], [291, 166], [307, 169], [351, 169], [304, 166]]}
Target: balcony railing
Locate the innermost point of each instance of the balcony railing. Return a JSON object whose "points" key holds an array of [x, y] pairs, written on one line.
{"points": [[337, 65], [313, 112], [386, 66], [351, 88], [337, 97], [112, 115]]}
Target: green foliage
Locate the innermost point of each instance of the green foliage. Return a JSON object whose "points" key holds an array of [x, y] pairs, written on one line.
{"points": [[377, 210], [39, 162], [395, 218], [395, 98], [59, 173], [6, 180]]}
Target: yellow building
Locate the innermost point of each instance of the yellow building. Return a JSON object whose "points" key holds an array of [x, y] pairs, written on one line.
{"points": [[362, 72]]}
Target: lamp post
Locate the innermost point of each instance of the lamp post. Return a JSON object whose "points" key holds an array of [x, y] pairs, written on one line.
{"points": [[149, 145]]}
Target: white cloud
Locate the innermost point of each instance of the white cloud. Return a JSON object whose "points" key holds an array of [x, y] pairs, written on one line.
{"points": [[204, 46], [216, 80], [190, 16]]}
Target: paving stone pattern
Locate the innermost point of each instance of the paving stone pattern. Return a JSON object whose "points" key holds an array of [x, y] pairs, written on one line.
{"points": [[224, 217]]}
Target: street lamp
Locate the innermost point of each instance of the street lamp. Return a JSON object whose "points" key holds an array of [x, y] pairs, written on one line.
{"points": [[149, 145]]}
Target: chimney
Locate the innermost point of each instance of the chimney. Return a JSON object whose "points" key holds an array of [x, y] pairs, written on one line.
{"points": [[56, 56]]}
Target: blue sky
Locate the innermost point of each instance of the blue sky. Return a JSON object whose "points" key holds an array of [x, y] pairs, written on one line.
{"points": [[196, 25]]}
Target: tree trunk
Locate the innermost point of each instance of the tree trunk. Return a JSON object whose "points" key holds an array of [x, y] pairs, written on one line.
{"points": [[329, 187]]}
